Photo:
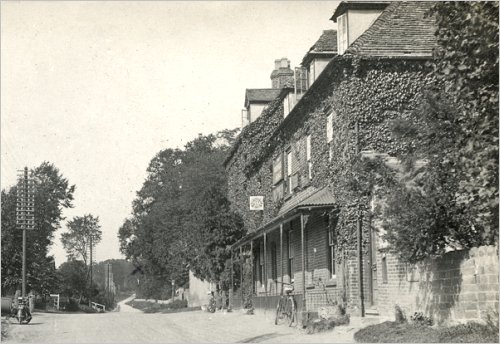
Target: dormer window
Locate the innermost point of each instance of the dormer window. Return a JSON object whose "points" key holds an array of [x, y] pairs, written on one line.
{"points": [[343, 35]]}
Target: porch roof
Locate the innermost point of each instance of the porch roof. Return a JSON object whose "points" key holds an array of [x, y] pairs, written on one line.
{"points": [[307, 200]]}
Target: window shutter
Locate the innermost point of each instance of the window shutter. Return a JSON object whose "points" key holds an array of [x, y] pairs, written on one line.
{"points": [[278, 169]]}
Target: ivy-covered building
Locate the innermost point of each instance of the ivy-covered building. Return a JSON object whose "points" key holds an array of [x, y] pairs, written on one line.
{"points": [[317, 228]]}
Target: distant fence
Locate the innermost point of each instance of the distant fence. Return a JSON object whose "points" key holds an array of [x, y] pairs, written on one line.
{"points": [[98, 307], [163, 302]]}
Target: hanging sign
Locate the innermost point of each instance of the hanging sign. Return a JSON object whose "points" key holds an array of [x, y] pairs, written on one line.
{"points": [[256, 202]]}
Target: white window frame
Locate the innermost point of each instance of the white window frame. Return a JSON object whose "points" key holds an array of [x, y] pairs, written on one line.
{"points": [[308, 156], [289, 170], [329, 128], [343, 33], [312, 72]]}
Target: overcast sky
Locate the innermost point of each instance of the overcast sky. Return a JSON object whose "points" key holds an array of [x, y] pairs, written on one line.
{"points": [[98, 88]]}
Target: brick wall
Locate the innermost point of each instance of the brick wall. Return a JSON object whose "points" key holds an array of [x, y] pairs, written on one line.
{"points": [[319, 283], [458, 287]]}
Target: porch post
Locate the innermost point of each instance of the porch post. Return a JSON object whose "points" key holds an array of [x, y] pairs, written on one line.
{"points": [[303, 262], [251, 266], [281, 255], [265, 262], [241, 274], [231, 290]]}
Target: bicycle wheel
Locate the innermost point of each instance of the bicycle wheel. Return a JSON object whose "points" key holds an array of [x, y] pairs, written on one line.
{"points": [[280, 314], [292, 313]]}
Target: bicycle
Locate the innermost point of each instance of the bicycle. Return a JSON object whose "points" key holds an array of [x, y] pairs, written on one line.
{"points": [[287, 306]]}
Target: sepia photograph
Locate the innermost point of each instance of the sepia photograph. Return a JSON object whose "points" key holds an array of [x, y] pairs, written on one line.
{"points": [[249, 171]]}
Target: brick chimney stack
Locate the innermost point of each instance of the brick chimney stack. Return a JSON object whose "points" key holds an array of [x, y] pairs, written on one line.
{"points": [[282, 74]]}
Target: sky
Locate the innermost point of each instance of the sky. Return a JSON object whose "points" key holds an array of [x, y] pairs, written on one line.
{"points": [[99, 87]]}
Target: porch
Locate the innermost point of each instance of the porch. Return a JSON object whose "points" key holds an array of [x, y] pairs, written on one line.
{"points": [[297, 248]]}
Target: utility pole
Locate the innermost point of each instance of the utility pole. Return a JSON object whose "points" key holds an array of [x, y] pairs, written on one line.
{"points": [[91, 249], [25, 214]]}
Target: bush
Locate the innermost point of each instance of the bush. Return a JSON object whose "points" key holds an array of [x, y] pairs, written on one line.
{"points": [[420, 319], [322, 325], [392, 332], [87, 309], [492, 321], [72, 306], [176, 304], [399, 315], [469, 333], [151, 307]]}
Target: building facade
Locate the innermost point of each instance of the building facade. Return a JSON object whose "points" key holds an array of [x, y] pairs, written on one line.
{"points": [[293, 155]]}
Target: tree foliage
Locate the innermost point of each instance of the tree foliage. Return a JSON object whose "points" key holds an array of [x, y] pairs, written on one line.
{"points": [[72, 275], [467, 63], [181, 218], [452, 199], [53, 193], [81, 231]]}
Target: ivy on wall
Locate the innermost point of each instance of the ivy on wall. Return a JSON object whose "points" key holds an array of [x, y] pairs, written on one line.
{"points": [[373, 93]]}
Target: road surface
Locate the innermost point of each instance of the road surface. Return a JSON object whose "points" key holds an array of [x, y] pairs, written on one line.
{"points": [[132, 326]]}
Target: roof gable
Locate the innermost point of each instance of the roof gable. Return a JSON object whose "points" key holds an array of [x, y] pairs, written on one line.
{"points": [[325, 45], [357, 5], [261, 95]]}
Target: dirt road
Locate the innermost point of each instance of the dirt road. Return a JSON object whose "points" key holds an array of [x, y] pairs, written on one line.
{"points": [[130, 326]]}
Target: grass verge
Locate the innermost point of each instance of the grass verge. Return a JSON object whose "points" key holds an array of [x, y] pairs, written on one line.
{"points": [[5, 329], [393, 332], [174, 307]]}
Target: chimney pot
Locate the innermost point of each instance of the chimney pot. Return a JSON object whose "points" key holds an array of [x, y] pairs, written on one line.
{"points": [[285, 63]]}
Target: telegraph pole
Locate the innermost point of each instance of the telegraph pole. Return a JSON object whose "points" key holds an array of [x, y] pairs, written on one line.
{"points": [[91, 249], [25, 214]]}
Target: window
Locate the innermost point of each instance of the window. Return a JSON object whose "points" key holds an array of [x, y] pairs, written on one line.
{"points": [[290, 255], [331, 251], [342, 39], [312, 73], [308, 156], [329, 128], [301, 81], [289, 171], [329, 134], [278, 169], [245, 120]]}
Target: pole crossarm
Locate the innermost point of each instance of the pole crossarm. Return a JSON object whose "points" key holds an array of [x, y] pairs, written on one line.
{"points": [[25, 213]]}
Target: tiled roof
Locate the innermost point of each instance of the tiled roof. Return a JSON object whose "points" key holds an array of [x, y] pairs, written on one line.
{"points": [[358, 5], [261, 94], [401, 30], [310, 197], [327, 43]]}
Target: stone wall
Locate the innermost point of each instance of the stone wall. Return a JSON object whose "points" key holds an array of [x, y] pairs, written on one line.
{"points": [[198, 291], [458, 287]]}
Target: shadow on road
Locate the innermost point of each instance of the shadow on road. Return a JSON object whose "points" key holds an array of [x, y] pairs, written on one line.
{"points": [[262, 338]]}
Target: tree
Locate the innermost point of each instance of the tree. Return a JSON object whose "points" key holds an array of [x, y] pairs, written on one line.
{"points": [[467, 64], [72, 275], [181, 215], [451, 201], [83, 231], [53, 193]]}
